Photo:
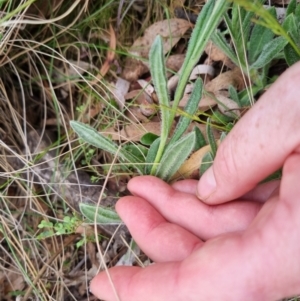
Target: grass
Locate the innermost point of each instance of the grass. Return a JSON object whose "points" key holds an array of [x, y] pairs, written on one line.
{"points": [[58, 59]]}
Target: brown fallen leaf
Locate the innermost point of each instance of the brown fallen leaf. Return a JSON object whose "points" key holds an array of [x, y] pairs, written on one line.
{"points": [[174, 63], [133, 132], [170, 30], [135, 115], [233, 77], [143, 101], [227, 106], [110, 54], [205, 103], [206, 70], [119, 89], [216, 54]]}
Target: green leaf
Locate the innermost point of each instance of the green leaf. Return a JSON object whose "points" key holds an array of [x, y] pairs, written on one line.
{"points": [[218, 39], [244, 96], [148, 138], [200, 139], [190, 109], [99, 214], [211, 138], [158, 72], [45, 224], [290, 24], [260, 36], [220, 118], [297, 12], [291, 8], [291, 56], [269, 52], [175, 155], [91, 136], [246, 26], [151, 156], [138, 151], [233, 94], [206, 163]]}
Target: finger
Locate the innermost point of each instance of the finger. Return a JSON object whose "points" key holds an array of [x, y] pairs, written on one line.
{"points": [[259, 143], [187, 186], [187, 211], [134, 284], [260, 193], [159, 239], [223, 264], [289, 189]]}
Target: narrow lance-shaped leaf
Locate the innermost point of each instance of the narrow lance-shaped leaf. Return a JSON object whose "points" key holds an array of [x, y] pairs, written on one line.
{"points": [[291, 7], [207, 22], [206, 163], [151, 156], [211, 138], [290, 24], [158, 72], [98, 214], [269, 52], [175, 155], [218, 39], [91, 136], [234, 95], [260, 36], [200, 139], [190, 109]]}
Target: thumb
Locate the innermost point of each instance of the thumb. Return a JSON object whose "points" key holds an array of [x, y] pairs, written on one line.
{"points": [[259, 143]]}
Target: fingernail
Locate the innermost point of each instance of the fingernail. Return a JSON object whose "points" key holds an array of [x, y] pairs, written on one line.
{"points": [[207, 185]]}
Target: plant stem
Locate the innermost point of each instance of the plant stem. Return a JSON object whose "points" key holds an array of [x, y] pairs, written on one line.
{"points": [[207, 22]]}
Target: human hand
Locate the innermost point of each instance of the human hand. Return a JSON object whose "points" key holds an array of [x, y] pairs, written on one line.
{"points": [[252, 244]]}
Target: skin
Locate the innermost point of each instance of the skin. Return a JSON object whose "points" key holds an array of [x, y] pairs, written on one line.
{"points": [[224, 237]]}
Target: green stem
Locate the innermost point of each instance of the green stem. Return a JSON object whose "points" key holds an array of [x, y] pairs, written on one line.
{"points": [[207, 22]]}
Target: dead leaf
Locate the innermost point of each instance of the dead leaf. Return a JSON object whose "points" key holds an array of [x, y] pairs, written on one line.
{"points": [[110, 54], [202, 69], [10, 281], [134, 69], [215, 54], [174, 62], [133, 132], [205, 103], [135, 115], [143, 101], [146, 86], [119, 90], [233, 77], [198, 70], [227, 106], [170, 30]]}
